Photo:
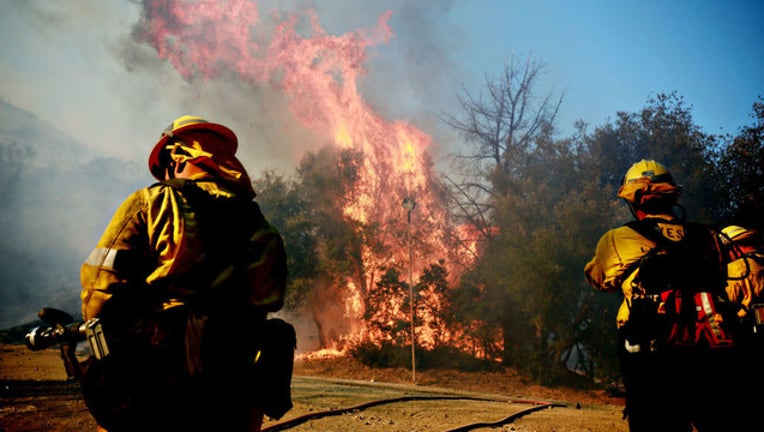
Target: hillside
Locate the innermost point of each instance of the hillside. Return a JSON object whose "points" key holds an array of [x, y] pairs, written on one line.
{"points": [[57, 197]]}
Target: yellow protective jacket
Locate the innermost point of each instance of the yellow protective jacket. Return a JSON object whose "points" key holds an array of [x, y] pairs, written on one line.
{"points": [[745, 285], [152, 250], [614, 265]]}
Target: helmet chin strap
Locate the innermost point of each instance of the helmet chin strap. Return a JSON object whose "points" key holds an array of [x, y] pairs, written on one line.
{"points": [[638, 214], [179, 168], [170, 170]]}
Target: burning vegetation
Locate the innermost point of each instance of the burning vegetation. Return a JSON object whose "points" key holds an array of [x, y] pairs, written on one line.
{"points": [[486, 260], [363, 248]]}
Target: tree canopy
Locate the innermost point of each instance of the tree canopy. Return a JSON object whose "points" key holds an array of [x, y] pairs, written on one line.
{"points": [[534, 203]]}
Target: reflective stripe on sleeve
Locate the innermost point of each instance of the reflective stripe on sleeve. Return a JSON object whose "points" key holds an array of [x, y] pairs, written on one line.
{"points": [[102, 257]]}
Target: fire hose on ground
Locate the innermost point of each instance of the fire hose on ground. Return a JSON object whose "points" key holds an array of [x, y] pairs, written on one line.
{"points": [[67, 333], [538, 405]]}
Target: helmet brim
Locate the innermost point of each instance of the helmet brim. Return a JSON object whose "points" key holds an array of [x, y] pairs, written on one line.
{"points": [[743, 236]]}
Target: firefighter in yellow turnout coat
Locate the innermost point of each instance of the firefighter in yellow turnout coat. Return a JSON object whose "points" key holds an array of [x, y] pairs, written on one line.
{"points": [[668, 388], [182, 278], [745, 286], [745, 289]]}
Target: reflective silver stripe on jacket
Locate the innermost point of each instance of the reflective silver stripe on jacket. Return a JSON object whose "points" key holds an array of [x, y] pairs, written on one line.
{"points": [[102, 257]]}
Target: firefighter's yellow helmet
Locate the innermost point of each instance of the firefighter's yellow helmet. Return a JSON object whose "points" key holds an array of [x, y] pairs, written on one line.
{"points": [[651, 170], [186, 123], [647, 180], [736, 233]]}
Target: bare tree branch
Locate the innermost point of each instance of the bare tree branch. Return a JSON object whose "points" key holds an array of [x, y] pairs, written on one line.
{"points": [[499, 131]]}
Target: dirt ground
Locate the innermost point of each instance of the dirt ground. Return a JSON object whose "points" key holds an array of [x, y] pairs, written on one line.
{"points": [[35, 396]]}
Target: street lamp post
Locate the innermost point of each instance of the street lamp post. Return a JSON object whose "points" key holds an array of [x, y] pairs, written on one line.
{"points": [[409, 205]]}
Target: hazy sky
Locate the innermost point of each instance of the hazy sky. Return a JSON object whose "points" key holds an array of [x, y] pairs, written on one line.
{"points": [[74, 64]]}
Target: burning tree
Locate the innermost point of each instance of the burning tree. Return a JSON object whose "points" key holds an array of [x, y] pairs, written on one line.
{"points": [[353, 186]]}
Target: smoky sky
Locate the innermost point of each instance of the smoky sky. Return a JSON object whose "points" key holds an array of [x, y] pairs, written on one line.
{"points": [[109, 90], [80, 67], [108, 96]]}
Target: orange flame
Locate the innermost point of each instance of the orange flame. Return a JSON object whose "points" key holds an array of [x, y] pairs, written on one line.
{"points": [[319, 73]]}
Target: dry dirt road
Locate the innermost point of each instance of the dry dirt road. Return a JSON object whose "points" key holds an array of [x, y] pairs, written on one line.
{"points": [[35, 396]]}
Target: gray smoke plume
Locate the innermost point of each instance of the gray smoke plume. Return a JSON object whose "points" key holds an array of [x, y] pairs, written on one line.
{"points": [[64, 174]]}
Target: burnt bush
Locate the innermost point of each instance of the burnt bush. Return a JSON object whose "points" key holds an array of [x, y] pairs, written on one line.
{"points": [[387, 355], [384, 355]]}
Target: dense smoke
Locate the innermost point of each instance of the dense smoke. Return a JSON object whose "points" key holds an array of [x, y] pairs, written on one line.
{"points": [[65, 210]]}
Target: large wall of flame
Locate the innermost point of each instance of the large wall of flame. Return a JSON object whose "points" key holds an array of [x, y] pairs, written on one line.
{"points": [[318, 75]]}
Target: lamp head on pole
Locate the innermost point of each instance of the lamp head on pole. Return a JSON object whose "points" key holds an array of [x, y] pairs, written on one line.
{"points": [[408, 204]]}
